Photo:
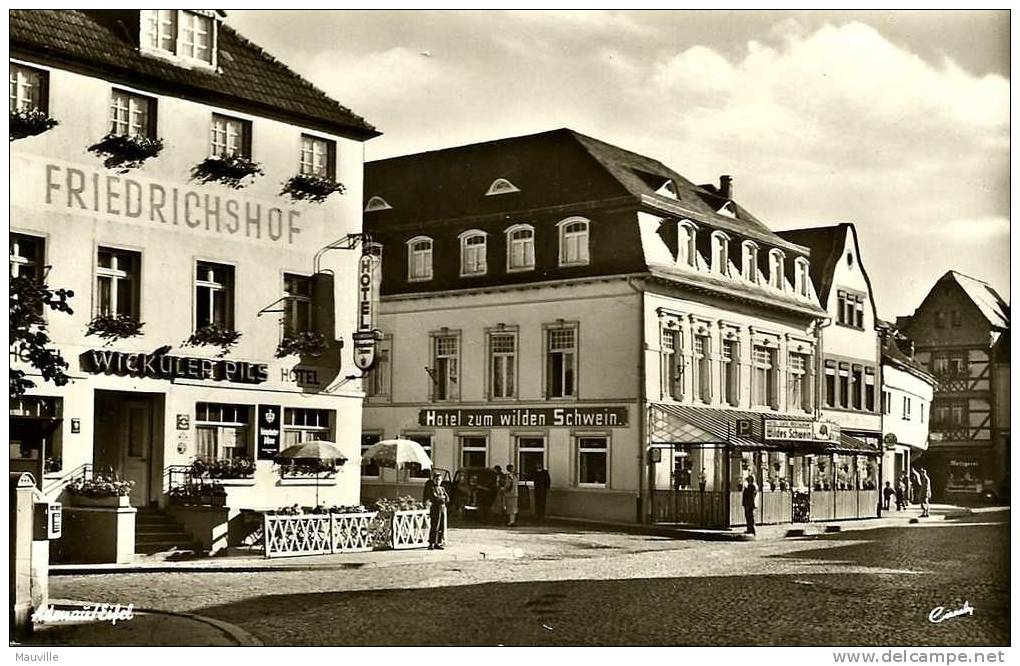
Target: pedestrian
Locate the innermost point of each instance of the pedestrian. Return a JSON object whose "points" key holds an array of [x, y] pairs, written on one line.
{"points": [[901, 492], [905, 484], [437, 498], [750, 502], [542, 483], [511, 495], [887, 494], [499, 503], [925, 493], [915, 485]]}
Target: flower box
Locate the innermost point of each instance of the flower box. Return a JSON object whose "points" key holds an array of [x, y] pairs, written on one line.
{"points": [[215, 336], [29, 122], [114, 327], [303, 343], [124, 152], [315, 189], [115, 501], [229, 170]]}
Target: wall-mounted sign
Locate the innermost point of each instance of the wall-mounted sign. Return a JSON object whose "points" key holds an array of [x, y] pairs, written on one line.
{"points": [[595, 417], [890, 441], [745, 427], [165, 366], [366, 337], [303, 377], [183, 421], [802, 431], [269, 431], [75, 426]]}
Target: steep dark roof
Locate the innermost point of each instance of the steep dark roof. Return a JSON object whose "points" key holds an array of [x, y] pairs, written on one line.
{"points": [[826, 245], [987, 300], [893, 355], [104, 43]]}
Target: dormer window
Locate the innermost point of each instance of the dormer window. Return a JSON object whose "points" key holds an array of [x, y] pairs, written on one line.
{"points": [[801, 279], [187, 34], [472, 253], [720, 253], [573, 241], [687, 251], [776, 268], [501, 186], [377, 203], [750, 262], [668, 189], [419, 259], [520, 248], [729, 209]]}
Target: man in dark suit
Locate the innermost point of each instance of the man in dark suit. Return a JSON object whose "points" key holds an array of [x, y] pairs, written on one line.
{"points": [[542, 483], [436, 497], [750, 502]]}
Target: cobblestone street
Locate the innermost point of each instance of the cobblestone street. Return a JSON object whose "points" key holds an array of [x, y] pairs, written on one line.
{"points": [[581, 587]]}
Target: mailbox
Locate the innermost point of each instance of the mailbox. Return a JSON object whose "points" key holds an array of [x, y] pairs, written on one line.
{"points": [[48, 521]]}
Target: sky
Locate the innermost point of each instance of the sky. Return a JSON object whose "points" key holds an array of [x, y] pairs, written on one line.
{"points": [[895, 121]]}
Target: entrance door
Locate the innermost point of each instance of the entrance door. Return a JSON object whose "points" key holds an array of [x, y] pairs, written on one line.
{"points": [[136, 447]]}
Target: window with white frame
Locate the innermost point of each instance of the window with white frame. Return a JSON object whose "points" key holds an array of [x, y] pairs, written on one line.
{"points": [[474, 451], [132, 115], [369, 470], [830, 383], [305, 425], [729, 372], [672, 385], [530, 455], [214, 295], [886, 402], [472, 253], [869, 389], [222, 431], [844, 385], [425, 440], [720, 253], [26, 257], [906, 408], [229, 137], [297, 304], [750, 261], [160, 29], [561, 362], [592, 461], [318, 156], [28, 88], [764, 372], [801, 278], [799, 392], [687, 249], [377, 203], [520, 243], [777, 261], [378, 381], [445, 367], [702, 365], [501, 186], [502, 365], [419, 258], [184, 33], [574, 242], [117, 282], [196, 37], [856, 386]]}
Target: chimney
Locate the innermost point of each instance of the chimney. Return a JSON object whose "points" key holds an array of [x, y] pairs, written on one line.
{"points": [[726, 186]]}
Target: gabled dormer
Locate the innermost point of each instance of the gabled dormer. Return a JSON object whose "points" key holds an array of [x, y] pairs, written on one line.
{"points": [[188, 37]]}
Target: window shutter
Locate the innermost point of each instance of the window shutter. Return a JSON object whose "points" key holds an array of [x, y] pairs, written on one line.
{"points": [[323, 311]]}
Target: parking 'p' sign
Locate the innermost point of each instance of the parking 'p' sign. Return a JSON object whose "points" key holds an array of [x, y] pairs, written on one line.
{"points": [[744, 427]]}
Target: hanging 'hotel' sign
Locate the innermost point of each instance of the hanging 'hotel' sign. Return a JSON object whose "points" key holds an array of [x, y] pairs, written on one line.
{"points": [[595, 417], [366, 337]]}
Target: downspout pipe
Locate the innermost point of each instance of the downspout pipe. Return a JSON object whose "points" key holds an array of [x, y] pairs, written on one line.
{"points": [[642, 407]]}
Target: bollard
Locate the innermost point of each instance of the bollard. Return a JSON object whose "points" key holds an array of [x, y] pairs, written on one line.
{"points": [[22, 524]]}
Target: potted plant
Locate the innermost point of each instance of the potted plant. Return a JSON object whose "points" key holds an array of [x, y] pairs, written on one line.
{"points": [[229, 170], [112, 327], [301, 343], [315, 189], [101, 490], [29, 122], [214, 335], [234, 468], [124, 152], [306, 468]]}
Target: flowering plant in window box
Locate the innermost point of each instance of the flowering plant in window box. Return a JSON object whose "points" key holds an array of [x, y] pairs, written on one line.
{"points": [[114, 327], [230, 170], [302, 343], [126, 152], [100, 487], [30, 122], [234, 468], [305, 187], [309, 468], [216, 336], [198, 494]]}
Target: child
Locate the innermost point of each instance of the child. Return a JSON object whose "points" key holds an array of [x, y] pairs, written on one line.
{"points": [[901, 493], [887, 494]]}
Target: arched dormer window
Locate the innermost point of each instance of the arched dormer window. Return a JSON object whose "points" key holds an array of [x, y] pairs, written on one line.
{"points": [[377, 203], [777, 268], [419, 259], [749, 265], [801, 277], [501, 186], [520, 248], [687, 249], [574, 241], [720, 253], [729, 209], [472, 253], [667, 189]]}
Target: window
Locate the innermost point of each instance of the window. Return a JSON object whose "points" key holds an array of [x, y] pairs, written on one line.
{"points": [[850, 310], [799, 392], [561, 362], [214, 295], [370, 469], [378, 380], [856, 385], [940, 319], [869, 389], [472, 253], [318, 157], [416, 472], [501, 186], [763, 389], [132, 115], [886, 402], [958, 364], [844, 385], [530, 455], [801, 281], [573, 242], [859, 312], [445, 373], [830, 384], [720, 253], [473, 451], [305, 425], [520, 243], [229, 136], [948, 414], [955, 319], [28, 88], [728, 375], [750, 262], [160, 26], [503, 365], [26, 258], [906, 408], [776, 268], [196, 36], [670, 364], [117, 282], [377, 203], [419, 259], [222, 430], [921, 410], [702, 379], [592, 459], [297, 309], [184, 33], [687, 250]]}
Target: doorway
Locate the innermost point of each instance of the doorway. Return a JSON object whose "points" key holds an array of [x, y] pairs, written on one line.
{"points": [[127, 426]]}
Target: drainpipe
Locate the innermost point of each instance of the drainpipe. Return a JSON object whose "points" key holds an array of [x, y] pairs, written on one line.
{"points": [[642, 412], [821, 322]]}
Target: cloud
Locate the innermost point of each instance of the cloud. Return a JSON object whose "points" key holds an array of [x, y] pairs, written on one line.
{"points": [[377, 78]]}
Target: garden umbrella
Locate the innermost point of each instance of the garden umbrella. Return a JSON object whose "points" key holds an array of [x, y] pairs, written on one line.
{"points": [[396, 453], [320, 450]]}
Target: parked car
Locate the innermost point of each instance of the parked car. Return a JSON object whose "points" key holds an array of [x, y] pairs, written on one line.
{"points": [[474, 491]]}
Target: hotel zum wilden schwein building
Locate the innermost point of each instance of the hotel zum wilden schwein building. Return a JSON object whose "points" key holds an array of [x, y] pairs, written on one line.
{"points": [[554, 300], [160, 244]]}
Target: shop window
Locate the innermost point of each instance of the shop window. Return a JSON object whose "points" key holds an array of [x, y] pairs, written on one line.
{"points": [[574, 242], [419, 259], [415, 471], [472, 253], [305, 425], [729, 372], [764, 366], [26, 256], [445, 367], [318, 157], [845, 469], [520, 243], [474, 451], [687, 249], [229, 137], [844, 385], [36, 435], [132, 115], [530, 456], [222, 431], [561, 362], [745, 467], [822, 474], [869, 389], [297, 309], [117, 282], [592, 461], [369, 470], [379, 377], [702, 368], [503, 365], [800, 393], [28, 88], [214, 295], [775, 472], [672, 385]]}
